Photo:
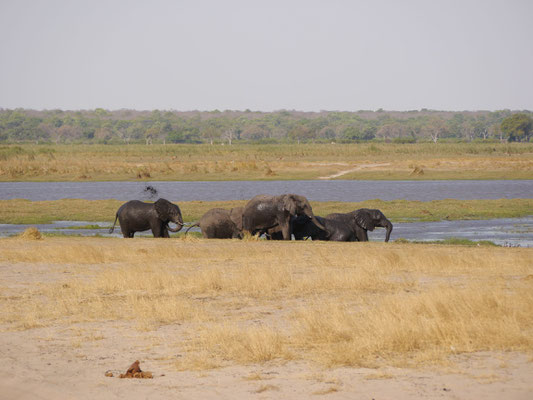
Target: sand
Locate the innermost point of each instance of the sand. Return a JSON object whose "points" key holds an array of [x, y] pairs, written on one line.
{"points": [[69, 361]]}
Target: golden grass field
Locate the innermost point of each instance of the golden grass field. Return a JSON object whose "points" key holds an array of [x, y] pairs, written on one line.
{"points": [[239, 302], [266, 162]]}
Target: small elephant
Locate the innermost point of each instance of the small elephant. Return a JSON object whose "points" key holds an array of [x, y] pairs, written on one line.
{"points": [[136, 216], [263, 212], [336, 231], [363, 220], [219, 223]]}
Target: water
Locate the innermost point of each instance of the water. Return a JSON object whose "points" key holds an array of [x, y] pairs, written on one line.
{"points": [[505, 231], [315, 190]]}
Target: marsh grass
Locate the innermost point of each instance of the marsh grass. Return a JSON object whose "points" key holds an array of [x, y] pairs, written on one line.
{"points": [[247, 302], [263, 162], [19, 211]]}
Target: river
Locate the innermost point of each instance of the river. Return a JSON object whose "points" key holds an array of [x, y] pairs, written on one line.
{"points": [[314, 190]]}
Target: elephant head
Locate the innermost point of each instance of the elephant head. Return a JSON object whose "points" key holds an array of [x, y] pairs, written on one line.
{"points": [[297, 205], [369, 219], [236, 216], [168, 212]]}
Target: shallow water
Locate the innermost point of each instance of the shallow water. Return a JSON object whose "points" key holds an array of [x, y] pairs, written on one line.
{"points": [[335, 190], [504, 231]]}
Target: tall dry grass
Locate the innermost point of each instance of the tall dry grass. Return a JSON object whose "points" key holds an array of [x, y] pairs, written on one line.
{"points": [[256, 301]]}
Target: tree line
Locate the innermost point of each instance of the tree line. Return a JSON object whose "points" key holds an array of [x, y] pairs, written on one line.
{"points": [[130, 126]]}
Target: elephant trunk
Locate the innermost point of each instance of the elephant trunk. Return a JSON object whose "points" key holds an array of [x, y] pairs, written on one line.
{"points": [[315, 221], [179, 225], [388, 225]]}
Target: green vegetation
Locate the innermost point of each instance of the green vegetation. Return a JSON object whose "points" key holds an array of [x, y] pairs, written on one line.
{"points": [[517, 127], [450, 241], [130, 126], [41, 212]]}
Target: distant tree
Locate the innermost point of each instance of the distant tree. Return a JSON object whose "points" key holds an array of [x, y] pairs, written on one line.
{"points": [[392, 130], [517, 127], [300, 132], [210, 133], [360, 132], [434, 128], [67, 133]]}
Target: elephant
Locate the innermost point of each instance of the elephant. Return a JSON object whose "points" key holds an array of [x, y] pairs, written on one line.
{"points": [[135, 216], [265, 212], [219, 223], [336, 231], [363, 220]]}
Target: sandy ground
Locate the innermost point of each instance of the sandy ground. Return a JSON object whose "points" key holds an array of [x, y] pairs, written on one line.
{"points": [[64, 361], [56, 363]]}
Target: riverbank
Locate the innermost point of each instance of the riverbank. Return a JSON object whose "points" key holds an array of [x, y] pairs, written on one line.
{"points": [[19, 211], [181, 162]]}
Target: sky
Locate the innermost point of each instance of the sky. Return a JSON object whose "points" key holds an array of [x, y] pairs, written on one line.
{"points": [[267, 55]]}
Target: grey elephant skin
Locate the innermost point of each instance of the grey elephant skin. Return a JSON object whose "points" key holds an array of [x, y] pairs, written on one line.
{"points": [[336, 231], [263, 213], [137, 216], [219, 223], [362, 220]]}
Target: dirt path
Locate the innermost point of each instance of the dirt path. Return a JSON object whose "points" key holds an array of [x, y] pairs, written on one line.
{"points": [[358, 168]]}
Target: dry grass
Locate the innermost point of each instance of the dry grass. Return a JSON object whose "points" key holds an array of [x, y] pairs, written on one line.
{"points": [[31, 233], [357, 304], [284, 161]]}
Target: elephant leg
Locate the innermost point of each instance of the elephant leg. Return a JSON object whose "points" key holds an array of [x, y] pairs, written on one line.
{"points": [[286, 231], [165, 233], [363, 236], [157, 231]]}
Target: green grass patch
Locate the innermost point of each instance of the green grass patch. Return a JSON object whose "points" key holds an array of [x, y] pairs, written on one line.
{"points": [[90, 226], [450, 241], [42, 212]]}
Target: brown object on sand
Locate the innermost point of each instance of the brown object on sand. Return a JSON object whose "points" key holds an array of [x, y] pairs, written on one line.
{"points": [[134, 371]]}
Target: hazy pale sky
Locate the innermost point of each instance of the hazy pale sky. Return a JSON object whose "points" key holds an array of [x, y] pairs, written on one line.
{"points": [[267, 55]]}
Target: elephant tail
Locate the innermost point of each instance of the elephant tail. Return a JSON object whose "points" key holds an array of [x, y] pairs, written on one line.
{"points": [[114, 223], [192, 226]]}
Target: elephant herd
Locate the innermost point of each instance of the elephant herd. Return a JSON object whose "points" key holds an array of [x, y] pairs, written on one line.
{"points": [[276, 217]]}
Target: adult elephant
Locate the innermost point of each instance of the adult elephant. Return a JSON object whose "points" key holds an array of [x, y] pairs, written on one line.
{"points": [[265, 212], [363, 220], [219, 223], [336, 231], [136, 216]]}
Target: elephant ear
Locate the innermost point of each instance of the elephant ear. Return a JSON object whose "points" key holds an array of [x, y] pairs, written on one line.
{"points": [[363, 218], [162, 207], [289, 204]]}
